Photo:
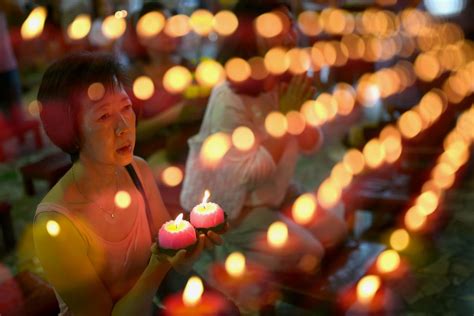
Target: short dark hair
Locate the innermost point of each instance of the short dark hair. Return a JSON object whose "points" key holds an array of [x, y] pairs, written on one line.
{"points": [[61, 89]]}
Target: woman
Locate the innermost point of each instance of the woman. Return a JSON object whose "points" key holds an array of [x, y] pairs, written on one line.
{"points": [[253, 186], [96, 251]]}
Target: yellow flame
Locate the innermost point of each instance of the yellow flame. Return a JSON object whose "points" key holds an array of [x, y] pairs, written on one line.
{"points": [[143, 87], [243, 138], [178, 220], [193, 291], [53, 228], [214, 148], [388, 261], [206, 196], [367, 287], [400, 239], [235, 264], [80, 27], [113, 27], [277, 234], [304, 208], [122, 199], [172, 176], [34, 23]]}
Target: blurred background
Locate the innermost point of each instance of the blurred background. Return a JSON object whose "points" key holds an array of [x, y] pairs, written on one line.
{"points": [[394, 82]]}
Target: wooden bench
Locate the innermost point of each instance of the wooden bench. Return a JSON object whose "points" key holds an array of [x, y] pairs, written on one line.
{"points": [[50, 168]]}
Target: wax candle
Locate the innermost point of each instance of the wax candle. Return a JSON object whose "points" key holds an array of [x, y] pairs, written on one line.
{"points": [[195, 301], [207, 215], [175, 235]]}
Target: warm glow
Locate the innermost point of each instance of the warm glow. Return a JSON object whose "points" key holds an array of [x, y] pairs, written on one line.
{"points": [[177, 79], [206, 196], [374, 153], [427, 67], [340, 175], [113, 27], [443, 175], [150, 24], [367, 287], [329, 103], [391, 140], [276, 124], [177, 25], [431, 106], [80, 27], [237, 69], [243, 138], [328, 194], [269, 25], [427, 202], [355, 45], [410, 124], [276, 61], [34, 23], [225, 22], [210, 73], [96, 91], [400, 239], [277, 234], [304, 208], [201, 22], [122, 199], [300, 60], [309, 23], [354, 161], [414, 220], [296, 122], [172, 176], [193, 291], [143, 87], [344, 95], [53, 228], [235, 264], [388, 261], [214, 148], [178, 220]]}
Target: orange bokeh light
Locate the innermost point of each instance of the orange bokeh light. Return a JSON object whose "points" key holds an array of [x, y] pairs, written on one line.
{"points": [[243, 138], [304, 208], [410, 124], [209, 73], [374, 153], [177, 79], [237, 69], [328, 194], [276, 61], [214, 148], [269, 25], [388, 261], [225, 22], [201, 22], [276, 124], [354, 161], [177, 25], [143, 88], [172, 176], [150, 24], [309, 24]]}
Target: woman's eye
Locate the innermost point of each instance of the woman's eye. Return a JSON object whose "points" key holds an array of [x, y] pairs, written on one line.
{"points": [[126, 108], [104, 117]]}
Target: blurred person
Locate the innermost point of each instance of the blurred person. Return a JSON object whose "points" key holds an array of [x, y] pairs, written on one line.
{"points": [[96, 254], [253, 186], [164, 114]]}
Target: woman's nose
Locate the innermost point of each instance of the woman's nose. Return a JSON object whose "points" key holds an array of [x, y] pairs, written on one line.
{"points": [[122, 125]]}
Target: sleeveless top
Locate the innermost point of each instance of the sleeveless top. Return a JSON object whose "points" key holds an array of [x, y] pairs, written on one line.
{"points": [[118, 264]]}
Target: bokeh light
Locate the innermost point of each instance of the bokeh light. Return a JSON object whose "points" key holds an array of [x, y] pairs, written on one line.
{"points": [[210, 73], [235, 264], [225, 23], [214, 148], [277, 234], [172, 176], [113, 27], [201, 22], [399, 239], [53, 228], [304, 208], [34, 24], [269, 25], [80, 27], [177, 79], [243, 138], [193, 291], [388, 261], [367, 287], [276, 124], [150, 24], [237, 69], [143, 87], [122, 199]]}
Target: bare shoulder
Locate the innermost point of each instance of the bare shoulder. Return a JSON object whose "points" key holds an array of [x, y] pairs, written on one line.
{"points": [[144, 168]]}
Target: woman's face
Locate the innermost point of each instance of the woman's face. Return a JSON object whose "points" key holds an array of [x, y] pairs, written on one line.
{"points": [[108, 129]]}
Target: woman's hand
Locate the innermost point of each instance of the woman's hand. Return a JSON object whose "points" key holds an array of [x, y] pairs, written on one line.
{"points": [[293, 94]]}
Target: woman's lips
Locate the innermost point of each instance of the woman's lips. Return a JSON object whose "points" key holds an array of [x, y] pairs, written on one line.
{"points": [[125, 149]]}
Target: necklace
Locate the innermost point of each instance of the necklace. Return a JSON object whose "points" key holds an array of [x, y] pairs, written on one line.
{"points": [[112, 215]]}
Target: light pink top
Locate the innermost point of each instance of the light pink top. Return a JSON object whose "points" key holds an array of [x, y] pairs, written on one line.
{"points": [[248, 178], [7, 58], [118, 264]]}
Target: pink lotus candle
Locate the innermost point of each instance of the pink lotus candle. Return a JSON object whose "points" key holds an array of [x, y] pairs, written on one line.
{"points": [[207, 215], [176, 235]]}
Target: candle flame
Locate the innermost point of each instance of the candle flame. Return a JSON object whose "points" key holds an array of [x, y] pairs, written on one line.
{"points": [[206, 196], [178, 220], [367, 287], [193, 291], [235, 264]]}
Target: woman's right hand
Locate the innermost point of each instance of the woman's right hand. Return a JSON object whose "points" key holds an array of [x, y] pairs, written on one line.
{"points": [[293, 94], [160, 258]]}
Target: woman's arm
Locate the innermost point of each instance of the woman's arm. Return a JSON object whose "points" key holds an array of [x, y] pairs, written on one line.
{"points": [[68, 268]]}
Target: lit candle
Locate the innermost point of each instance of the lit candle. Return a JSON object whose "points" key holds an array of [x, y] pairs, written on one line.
{"points": [[175, 235], [195, 301], [208, 216]]}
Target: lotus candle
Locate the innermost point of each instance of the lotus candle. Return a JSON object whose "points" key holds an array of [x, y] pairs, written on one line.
{"points": [[176, 235], [208, 216]]}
